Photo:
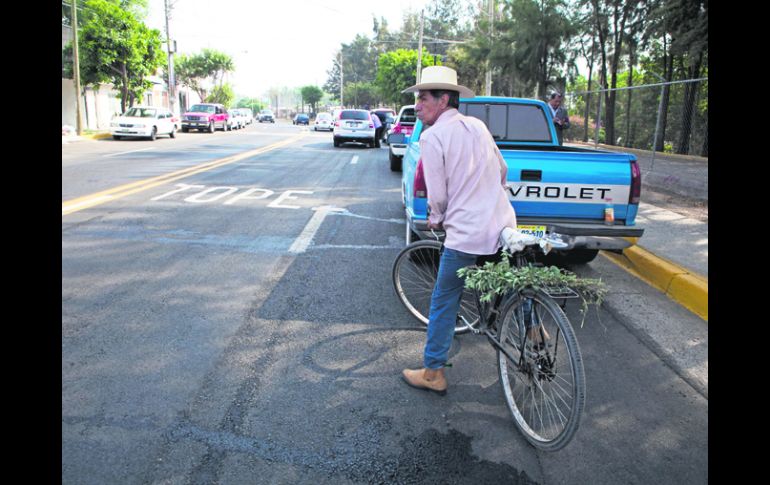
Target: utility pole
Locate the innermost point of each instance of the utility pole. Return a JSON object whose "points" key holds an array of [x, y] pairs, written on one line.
{"points": [[342, 81], [171, 78], [78, 116], [488, 83], [419, 47]]}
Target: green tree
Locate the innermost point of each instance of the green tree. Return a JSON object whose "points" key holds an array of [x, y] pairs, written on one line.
{"points": [[471, 70], [444, 21], [613, 19], [202, 71], [311, 95], [361, 94], [529, 43], [397, 71], [359, 63], [255, 104], [222, 94], [115, 47]]}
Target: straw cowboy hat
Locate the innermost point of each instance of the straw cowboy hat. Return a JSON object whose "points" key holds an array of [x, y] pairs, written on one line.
{"points": [[440, 77]]}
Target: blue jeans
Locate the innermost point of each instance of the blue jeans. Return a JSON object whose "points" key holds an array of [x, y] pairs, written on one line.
{"points": [[444, 306]]}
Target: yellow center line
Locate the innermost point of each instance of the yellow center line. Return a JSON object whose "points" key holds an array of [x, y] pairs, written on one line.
{"points": [[80, 203]]}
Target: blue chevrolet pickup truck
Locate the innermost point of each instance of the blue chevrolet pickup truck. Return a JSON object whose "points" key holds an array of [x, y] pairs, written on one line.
{"points": [[553, 189]]}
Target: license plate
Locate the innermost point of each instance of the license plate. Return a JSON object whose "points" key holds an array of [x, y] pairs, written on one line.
{"points": [[538, 231]]}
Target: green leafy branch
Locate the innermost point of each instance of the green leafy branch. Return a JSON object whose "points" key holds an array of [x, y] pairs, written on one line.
{"points": [[498, 278]]}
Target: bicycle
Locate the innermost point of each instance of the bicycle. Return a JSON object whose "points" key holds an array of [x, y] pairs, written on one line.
{"points": [[539, 361]]}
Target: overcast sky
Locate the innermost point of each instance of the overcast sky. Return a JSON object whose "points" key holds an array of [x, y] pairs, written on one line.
{"points": [[274, 42]]}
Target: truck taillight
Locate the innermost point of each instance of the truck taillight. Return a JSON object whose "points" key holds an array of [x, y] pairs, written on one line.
{"points": [[636, 183], [420, 189]]}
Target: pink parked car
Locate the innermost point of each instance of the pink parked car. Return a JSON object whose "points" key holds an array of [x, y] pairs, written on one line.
{"points": [[402, 128], [205, 116]]}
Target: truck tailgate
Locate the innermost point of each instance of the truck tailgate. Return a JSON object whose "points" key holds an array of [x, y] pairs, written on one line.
{"points": [[569, 185]]}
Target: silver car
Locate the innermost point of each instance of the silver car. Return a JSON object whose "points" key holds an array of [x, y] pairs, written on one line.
{"points": [[323, 121], [354, 125]]}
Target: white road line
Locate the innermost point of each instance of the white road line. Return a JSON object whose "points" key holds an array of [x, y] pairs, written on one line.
{"points": [[303, 241], [126, 153], [354, 161]]}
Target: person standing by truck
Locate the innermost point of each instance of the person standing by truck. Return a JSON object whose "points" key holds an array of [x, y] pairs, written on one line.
{"points": [[465, 176], [559, 114]]}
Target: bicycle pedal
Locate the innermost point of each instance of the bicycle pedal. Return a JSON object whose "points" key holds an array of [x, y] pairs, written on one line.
{"points": [[468, 325]]}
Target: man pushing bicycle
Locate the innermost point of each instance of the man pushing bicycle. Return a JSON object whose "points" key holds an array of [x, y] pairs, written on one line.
{"points": [[465, 175]]}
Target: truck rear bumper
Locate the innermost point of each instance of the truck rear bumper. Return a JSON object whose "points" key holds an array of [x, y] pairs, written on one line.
{"points": [[576, 235]]}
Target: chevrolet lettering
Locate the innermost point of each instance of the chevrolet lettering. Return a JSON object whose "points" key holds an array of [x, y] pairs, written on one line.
{"points": [[565, 192], [554, 189]]}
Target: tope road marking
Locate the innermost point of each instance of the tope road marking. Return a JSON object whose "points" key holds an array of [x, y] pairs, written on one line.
{"points": [[80, 203]]}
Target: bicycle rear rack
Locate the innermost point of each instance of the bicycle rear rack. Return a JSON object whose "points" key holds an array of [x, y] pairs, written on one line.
{"points": [[560, 292]]}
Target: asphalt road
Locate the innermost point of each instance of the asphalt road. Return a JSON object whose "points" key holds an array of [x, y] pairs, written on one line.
{"points": [[230, 326]]}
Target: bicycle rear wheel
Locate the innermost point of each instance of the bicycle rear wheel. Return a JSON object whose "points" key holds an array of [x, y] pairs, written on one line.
{"points": [[543, 379], [414, 275]]}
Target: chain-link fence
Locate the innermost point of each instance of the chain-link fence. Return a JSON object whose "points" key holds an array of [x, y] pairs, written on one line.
{"points": [[670, 117]]}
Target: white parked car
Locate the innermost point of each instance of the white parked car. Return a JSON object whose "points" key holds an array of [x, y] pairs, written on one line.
{"points": [[248, 115], [234, 119], [354, 125], [323, 122], [144, 122]]}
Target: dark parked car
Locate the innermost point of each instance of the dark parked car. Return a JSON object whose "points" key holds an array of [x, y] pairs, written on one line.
{"points": [[266, 116], [301, 119]]}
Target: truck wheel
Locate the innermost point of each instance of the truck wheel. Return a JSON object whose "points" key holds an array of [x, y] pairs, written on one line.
{"points": [[336, 142], [211, 127], [154, 133], [173, 132], [185, 129]]}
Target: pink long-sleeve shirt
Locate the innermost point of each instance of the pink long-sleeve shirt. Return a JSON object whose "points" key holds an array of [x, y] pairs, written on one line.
{"points": [[465, 175]]}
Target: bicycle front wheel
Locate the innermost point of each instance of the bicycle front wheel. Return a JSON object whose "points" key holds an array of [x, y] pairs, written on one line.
{"points": [[414, 276], [541, 370]]}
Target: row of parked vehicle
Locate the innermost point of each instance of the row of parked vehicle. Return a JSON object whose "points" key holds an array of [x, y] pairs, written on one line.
{"points": [[151, 121], [357, 125]]}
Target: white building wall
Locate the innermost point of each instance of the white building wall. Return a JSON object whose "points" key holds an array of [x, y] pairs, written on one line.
{"points": [[68, 116]]}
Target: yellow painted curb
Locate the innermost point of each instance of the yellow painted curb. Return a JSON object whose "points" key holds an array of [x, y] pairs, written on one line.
{"points": [[97, 136], [681, 285], [692, 292]]}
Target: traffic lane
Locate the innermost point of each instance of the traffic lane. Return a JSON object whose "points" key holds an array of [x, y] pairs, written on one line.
{"points": [[340, 341], [335, 299], [344, 341], [90, 167], [642, 421], [152, 291]]}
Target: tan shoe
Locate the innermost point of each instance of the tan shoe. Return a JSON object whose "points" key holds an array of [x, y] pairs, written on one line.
{"points": [[427, 379]]}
